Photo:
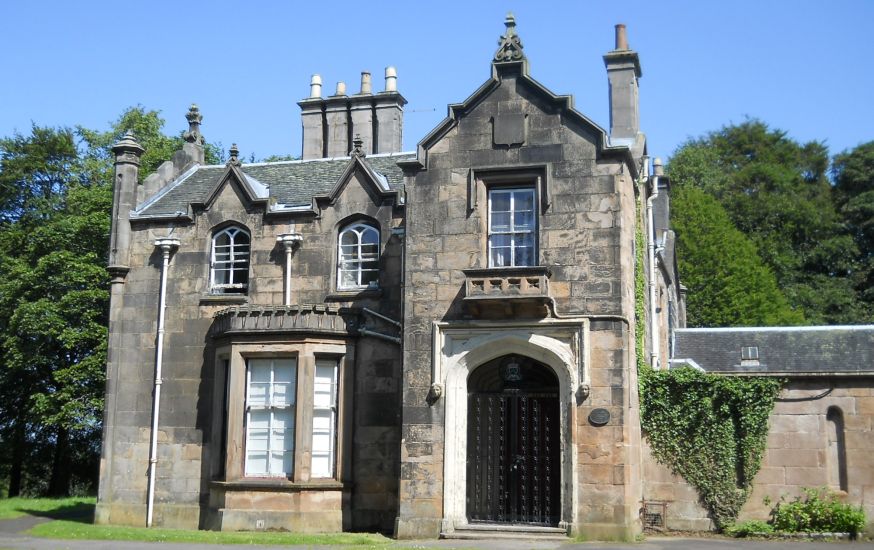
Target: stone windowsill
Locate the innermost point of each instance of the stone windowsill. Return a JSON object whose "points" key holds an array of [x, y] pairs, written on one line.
{"points": [[349, 295], [279, 485], [218, 299]]}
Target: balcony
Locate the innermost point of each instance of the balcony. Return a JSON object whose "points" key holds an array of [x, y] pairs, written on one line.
{"points": [[507, 292]]}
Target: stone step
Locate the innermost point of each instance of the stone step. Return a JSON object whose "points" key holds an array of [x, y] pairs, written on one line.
{"points": [[481, 531]]}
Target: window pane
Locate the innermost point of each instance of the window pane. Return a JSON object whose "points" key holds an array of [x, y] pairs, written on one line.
{"points": [[348, 238], [256, 463], [523, 221], [524, 200], [324, 418], [370, 236], [500, 201], [500, 257], [501, 222], [524, 256]]}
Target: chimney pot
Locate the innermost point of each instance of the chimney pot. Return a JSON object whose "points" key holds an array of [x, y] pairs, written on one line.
{"points": [[391, 79], [658, 168], [316, 87], [621, 37], [341, 88], [366, 87]]}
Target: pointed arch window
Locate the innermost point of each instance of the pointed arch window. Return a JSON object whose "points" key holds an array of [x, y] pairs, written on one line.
{"points": [[358, 257], [229, 261]]}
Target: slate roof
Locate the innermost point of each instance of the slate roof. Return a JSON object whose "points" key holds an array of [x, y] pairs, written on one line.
{"points": [[291, 183], [781, 350]]}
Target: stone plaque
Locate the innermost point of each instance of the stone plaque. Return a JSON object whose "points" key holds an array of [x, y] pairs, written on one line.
{"points": [[599, 417], [509, 129]]}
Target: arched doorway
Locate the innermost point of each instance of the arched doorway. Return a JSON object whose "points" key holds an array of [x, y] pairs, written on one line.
{"points": [[513, 443]]}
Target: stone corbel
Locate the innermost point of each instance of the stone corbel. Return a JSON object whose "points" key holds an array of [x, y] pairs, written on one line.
{"points": [[583, 392], [435, 393]]}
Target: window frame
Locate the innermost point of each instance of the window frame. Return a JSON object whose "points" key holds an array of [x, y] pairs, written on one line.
{"points": [[232, 265], [333, 413], [289, 405], [236, 356], [360, 229], [533, 231]]}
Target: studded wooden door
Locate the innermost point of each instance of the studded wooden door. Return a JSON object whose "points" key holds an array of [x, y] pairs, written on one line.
{"points": [[513, 462]]}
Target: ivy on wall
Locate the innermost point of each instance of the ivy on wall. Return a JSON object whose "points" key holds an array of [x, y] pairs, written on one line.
{"points": [[711, 430]]}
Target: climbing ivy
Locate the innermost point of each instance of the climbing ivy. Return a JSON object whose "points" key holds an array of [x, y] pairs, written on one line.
{"points": [[709, 429], [639, 290]]}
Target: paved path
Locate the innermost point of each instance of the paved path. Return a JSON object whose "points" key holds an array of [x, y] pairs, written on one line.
{"points": [[12, 537]]}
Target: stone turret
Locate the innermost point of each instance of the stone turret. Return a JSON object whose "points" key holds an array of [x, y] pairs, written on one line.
{"points": [[329, 123], [623, 72], [127, 167]]}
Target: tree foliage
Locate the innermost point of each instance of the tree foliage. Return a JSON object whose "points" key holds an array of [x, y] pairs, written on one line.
{"points": [[853, 173], [55, 203], [776, 191], [728, 283]]}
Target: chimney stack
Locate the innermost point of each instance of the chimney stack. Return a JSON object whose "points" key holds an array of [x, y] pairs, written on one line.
{"points": [[329, 123], [623, 72]]}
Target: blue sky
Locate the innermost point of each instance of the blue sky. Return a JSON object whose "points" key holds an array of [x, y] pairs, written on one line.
{"points": [[805, 67]]}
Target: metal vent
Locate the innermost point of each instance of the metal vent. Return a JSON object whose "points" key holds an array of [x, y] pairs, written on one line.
{"points": [[654, 514], [749, 353]]}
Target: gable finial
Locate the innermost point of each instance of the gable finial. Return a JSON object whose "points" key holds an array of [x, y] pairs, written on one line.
{"points": [[509, 45], [235, 154], [194, 117], [357, 146]]}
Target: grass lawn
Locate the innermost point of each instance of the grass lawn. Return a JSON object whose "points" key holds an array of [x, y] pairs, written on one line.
{"points": [[73, 519], [51, 507], [65, 529]]}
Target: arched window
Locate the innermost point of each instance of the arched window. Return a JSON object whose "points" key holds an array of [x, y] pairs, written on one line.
{"points": [[229, 262], [358, 257]]}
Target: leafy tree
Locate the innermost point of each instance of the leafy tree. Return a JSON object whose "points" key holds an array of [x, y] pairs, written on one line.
{"points": [[728, 283], [853, 173], [55, 201], [34, 169], [776, 192]]}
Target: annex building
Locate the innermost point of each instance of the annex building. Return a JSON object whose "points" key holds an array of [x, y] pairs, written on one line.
{"points": [[435, 341]]}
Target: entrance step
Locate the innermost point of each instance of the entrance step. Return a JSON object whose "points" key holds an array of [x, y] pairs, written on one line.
{"points": [[482, 531]]}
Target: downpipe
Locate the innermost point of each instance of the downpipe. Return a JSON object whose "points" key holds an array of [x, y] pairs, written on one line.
{"points": [[651, 250], [167, 246]]}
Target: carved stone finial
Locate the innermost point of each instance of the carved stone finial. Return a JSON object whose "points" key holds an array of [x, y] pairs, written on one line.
{"points": [[235, 154], [128, 146], [193, 134], [509, 45], [357, 145]]}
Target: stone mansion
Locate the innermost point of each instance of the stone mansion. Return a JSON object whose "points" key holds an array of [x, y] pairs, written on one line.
{"points": [[431, 342]]}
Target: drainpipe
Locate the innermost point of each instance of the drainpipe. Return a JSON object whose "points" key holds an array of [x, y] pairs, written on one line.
{"points": [[290, 241], [650, 232], [166, 245]]}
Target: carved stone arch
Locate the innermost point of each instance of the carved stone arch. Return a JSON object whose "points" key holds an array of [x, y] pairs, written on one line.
{"points": [[553, 353]]}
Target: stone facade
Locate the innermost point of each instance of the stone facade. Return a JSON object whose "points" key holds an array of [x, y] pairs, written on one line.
{"points": [[417, 343]]}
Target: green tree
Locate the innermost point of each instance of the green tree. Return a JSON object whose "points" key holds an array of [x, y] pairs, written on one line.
{"points": [[55, 200], [776, 192], [728, 283], [853, 173]]}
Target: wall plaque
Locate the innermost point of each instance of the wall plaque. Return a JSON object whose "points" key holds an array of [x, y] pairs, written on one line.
{"points": [[599, 417]]}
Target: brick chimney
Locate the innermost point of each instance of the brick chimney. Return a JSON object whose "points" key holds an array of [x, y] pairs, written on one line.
{"points": [[623, 71], [329, 124]]}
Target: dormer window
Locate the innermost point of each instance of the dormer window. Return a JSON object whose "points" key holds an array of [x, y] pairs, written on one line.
{"points": [[358, 257], [229, 262]]}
